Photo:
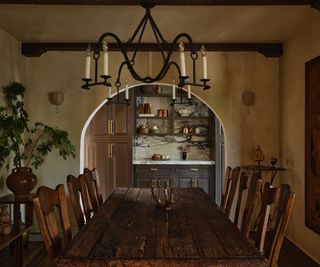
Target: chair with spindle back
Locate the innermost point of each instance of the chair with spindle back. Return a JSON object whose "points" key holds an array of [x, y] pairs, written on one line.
{"points": [[276, 208], [226, 186], [91, 186], [45, 201], [98, 185], [251, 184], [233, 183], [79, 200]]}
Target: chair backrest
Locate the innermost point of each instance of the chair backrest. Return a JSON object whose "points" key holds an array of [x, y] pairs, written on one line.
{"points": [[91, 188], [45, 201], [98, 185], [233, 183], [76, 191], [226, 186], [273, 222], [251, 184]]}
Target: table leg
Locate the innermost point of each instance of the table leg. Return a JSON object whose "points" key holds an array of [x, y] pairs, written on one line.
{"points": [[29, 214], [18, 251], [16, 214]]}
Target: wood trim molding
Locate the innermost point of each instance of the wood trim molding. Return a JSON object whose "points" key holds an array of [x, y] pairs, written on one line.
{"points": [[162, 2], [267, 49]]}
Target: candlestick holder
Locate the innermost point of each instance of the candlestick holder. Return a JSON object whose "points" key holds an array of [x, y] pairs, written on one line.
{"points": [[161, 203], [205, 84]]}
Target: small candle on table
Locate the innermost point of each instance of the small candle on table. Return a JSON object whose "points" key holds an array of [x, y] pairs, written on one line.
{"points": [[189, 91]]}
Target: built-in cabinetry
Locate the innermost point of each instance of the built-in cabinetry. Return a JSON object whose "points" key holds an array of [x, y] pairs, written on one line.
{"points": [[175, 175], [109, 146]]}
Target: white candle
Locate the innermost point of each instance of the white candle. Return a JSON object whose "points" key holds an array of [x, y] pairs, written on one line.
{"points": [[182, 60], [127, 91], [173, 90], [204, 63], [88, 62], [105, 58], [109, 93], [189, 91]]}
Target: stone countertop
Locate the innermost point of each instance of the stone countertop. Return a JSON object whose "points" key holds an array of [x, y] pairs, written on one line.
{"points": [[173, 162]]}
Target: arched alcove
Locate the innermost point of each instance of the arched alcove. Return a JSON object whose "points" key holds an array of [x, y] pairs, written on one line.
{"points": [[218, 137]]}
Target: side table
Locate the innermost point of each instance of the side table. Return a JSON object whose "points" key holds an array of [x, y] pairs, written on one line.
{"points": [[17, 229], [10, 199], [260, 168]]}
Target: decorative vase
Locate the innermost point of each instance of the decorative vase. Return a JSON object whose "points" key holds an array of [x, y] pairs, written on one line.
{"points": [[184, 155], [21, 181]]}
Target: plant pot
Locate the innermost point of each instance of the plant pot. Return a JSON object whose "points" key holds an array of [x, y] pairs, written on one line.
{"points": [[184, 155], [21, 181]]}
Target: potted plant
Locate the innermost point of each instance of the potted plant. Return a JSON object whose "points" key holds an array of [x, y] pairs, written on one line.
{"points": [[26, 146]]}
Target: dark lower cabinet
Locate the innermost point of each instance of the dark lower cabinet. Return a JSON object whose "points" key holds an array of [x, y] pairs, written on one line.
{"points": [[113, 160], [183, 176]]}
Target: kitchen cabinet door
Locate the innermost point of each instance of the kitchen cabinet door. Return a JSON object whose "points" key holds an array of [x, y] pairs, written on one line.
{"points": [[113, 161], [113, 120]]}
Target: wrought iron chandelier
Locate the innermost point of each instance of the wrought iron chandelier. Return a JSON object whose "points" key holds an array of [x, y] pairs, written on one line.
{"points": [[166, 50]]}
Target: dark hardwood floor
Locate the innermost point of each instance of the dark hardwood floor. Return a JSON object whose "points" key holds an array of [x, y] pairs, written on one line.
{"points": [[35, 256], [292, 256]]}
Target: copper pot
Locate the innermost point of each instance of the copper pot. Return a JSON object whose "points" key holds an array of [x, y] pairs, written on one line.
{"points": [[147, 108], [21, 181]]}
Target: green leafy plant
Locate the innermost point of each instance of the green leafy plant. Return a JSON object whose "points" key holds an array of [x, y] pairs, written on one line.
{"points": [[27, 145]]}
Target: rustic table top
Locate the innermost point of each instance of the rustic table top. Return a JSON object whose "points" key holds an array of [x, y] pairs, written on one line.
{"points": [[128, 230]]}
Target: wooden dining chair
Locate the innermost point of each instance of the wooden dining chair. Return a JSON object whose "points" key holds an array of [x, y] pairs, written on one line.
{"points": [[276, 208], [45, 201], [249, 185], [79, 199], [226, 187], [233, 183], [91, 185], [98, 185]]}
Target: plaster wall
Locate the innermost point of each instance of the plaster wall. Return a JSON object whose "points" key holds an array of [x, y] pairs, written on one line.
{"points": [[231, 74], [300, 48], [12, 68]]}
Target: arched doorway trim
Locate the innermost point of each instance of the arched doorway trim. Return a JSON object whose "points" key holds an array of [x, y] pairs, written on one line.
{"points": [[84, 129]]}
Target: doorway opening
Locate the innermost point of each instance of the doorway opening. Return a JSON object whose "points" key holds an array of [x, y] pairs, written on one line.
{"points": [[120, 140]]}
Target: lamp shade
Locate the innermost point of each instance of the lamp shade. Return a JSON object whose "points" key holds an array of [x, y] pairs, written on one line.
{"points": [[56, 98]]}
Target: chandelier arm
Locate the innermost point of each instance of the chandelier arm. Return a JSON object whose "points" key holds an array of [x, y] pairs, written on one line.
{"points": [[139, 40], [178, 37], [154, 25], [143, 21], [161, 48], [119, 73]]}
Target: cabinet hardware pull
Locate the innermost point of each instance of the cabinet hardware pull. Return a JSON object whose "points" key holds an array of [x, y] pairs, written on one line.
{"points": [[112, 126], [194, 169], [112, 150], [153, 183], [153, 169], [194, 183], [108, 127]]}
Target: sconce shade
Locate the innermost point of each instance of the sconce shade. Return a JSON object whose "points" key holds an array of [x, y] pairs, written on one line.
{"points": [[248, 98], [56, 98]]}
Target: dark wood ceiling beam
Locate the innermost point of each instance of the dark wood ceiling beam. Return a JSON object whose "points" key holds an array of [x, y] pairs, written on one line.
{"points": [[161, 2], [267, 49]]}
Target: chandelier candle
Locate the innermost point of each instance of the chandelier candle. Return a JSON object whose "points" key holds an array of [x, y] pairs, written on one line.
{"points": [[204, 62], [88, 62], [109, 92], [182, 60], [127, 91], [173, 90], [105, 58], [189, 91]]}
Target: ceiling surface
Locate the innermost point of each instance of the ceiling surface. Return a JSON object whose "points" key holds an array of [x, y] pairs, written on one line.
{"points": [[215, 24]]}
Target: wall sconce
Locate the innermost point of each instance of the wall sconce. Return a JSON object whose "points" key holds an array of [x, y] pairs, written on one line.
{"points": [[56, 98], [248, 99]]}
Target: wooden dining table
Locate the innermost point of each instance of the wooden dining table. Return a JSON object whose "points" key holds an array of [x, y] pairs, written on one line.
{"points": [[129, 230]]}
